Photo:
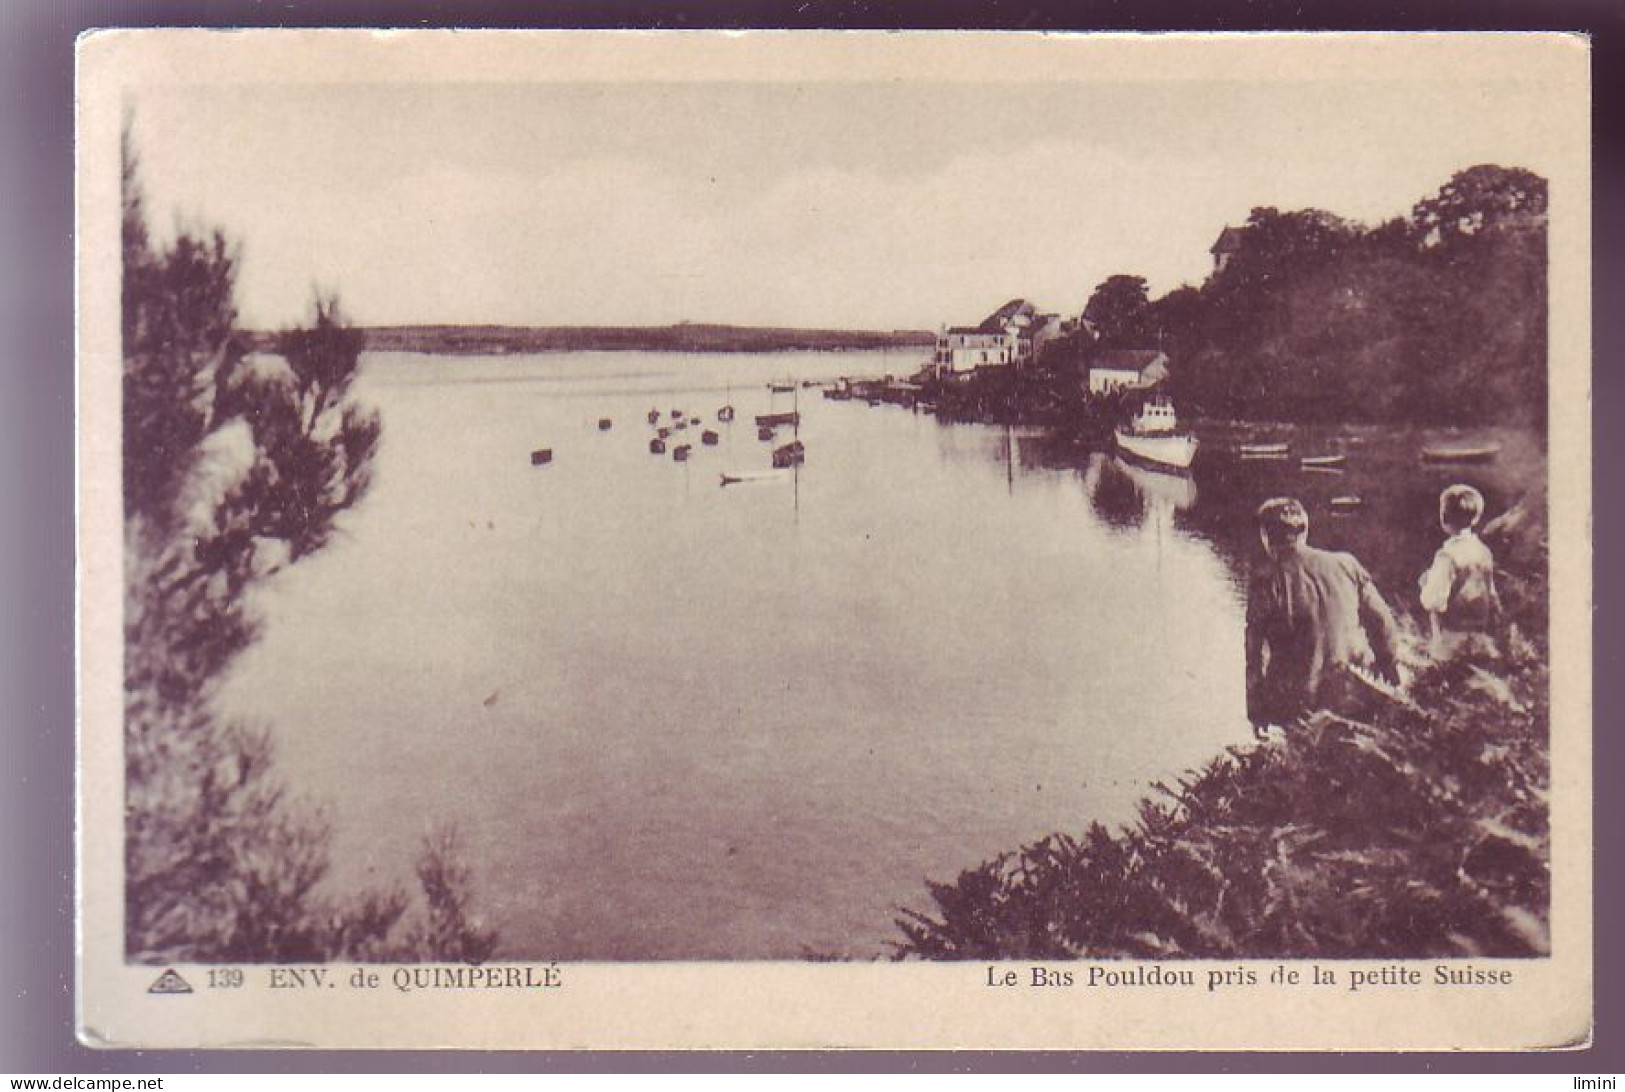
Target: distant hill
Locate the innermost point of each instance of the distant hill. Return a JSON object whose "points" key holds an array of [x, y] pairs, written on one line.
{"points": [[683, 338]]}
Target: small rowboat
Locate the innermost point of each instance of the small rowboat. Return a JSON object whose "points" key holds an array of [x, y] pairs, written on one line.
{"points": [[680, 452], [676, 414], [765, 434], [781, 388], [709, 438], [1263, 451], [654, 416], [604, 424], [773, 420], [740, 477], [792, 454], [657, 446], [1323, 462], [663, 432], [725, 414], [541, 456], [1346, 504], [1460, 453]]}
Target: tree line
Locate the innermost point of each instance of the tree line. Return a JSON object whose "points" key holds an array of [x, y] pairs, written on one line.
{"points": [[1438, 316], [236, 465]]}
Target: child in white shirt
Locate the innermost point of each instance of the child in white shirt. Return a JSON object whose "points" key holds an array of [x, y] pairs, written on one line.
{"points": [[1458, 590]]}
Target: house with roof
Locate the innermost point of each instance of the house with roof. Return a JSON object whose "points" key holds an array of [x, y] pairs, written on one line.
{"points": [[1127, 369], [1010, 336], [1225, 247]]}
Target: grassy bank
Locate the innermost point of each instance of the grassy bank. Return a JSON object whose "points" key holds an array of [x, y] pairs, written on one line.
{"points": [[1410, 833]]}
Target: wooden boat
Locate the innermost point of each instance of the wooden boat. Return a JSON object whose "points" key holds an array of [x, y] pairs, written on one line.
{"points": [[725, 414], [1322, 462], [765, 433], [1263, 451], [781, 388], [740, 477], [1324, 469], [774, 420], [709, 438], [676, 414], [680, 426], [604, 424], [793, 453], [680, 452], [654, 417], [541, 456], [1460, 453], [1152, 436], [1346, 504], [657, 446], [663, 432]]}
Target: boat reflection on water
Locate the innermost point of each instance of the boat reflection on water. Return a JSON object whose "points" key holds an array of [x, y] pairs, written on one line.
{"points": [[1127, 496], [1159, 490]]}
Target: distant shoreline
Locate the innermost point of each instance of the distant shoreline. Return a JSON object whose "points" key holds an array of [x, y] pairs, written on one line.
{"points": [[682, 338]]}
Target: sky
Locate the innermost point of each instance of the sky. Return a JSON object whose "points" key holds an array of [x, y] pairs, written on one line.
{"points": [[902, 204]]}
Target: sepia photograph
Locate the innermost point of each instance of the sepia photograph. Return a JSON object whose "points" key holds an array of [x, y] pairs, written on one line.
{"points": [[1082, 505]]}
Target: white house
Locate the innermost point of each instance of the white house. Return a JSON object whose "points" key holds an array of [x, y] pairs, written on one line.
{"points": [[1127, 369], [1010, 335]]}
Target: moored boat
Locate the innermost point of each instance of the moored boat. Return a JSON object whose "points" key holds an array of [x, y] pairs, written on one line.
{"points": [[739, 477], [765, 433], [654, 417], [709, 438], [1263, 451], [1460, 453], [657, 446], [725, 414], [1152, 436], [774, 420], [605, 424], [1323, 462], [793, 453], [681, 451], [541, 456]]}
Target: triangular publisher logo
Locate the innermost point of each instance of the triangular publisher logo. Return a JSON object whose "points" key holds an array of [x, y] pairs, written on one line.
{"points": [[170, 982]]}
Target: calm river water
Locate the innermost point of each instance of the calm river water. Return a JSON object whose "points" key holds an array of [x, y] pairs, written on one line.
{"points": [[672, 720]]}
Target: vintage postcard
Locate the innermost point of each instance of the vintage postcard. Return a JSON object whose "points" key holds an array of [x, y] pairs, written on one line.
{"points": [[826, 540]]}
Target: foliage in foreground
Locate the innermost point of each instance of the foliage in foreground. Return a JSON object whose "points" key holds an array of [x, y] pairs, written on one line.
{"points": [[1413, 833], [233, 468], [1416, 835]]}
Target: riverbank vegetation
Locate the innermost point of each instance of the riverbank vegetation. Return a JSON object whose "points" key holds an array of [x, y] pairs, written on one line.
{"points": [[234, 467], [1436, 317], [1408, 832]]}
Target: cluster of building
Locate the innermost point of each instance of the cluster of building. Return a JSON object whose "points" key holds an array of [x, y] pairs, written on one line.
{"points": [[1012, 337]]}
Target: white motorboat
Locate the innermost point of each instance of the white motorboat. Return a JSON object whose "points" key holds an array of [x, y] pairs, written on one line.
{"points": [[1152, 436]]}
